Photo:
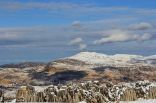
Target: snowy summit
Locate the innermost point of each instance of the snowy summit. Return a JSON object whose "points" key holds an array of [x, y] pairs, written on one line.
{"points": [[117, 59]]}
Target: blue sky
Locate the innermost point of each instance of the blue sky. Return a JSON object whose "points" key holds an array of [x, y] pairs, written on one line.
{"points": [[44, 30]]}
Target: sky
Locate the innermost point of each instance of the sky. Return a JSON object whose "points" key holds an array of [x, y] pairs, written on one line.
{"points": [[45, 30]]}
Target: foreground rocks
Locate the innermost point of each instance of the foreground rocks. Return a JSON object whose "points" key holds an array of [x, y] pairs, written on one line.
{"points": [[1, 96], [90, 92]]}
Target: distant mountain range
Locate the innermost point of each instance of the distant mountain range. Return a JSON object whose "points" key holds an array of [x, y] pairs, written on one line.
{"points": [[23, 65], [95, 59], [80, 67]]}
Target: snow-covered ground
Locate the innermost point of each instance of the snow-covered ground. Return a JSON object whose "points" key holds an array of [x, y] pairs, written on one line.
{"points": [[97, 58], [140, 101], [82, 102], [13, 101]]}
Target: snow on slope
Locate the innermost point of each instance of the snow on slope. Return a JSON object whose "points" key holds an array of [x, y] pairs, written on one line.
{"points": [[146, 60], [138, 101], [97, 58], [151, 57], [13, 101], [141, 101], [117, 59]]}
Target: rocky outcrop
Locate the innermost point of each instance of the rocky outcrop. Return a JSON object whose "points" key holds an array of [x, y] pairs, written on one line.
{"points": [[26, 94], [91, 92], [152, 93], [1, 96], [129, 95]]}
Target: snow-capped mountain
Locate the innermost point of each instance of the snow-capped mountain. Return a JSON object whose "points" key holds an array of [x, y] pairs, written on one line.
{"points": [[117, 59], [146, 60]]}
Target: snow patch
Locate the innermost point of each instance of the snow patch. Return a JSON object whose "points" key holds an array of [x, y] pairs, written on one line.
{"points": [[141, 101], [117, 59], [98, 58], [82, 102]]}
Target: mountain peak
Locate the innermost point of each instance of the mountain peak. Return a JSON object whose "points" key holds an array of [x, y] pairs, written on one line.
{"points": [[99, 58]]}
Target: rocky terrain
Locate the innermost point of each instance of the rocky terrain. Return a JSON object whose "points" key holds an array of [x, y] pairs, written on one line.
{"points": [[84, 66], [84, 92]]}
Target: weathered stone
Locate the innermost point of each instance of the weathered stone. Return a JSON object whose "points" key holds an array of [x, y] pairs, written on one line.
{"points": [[90, 92], [152, 93], [40, 97], [129, 95], [1, 96], [26, 94]]}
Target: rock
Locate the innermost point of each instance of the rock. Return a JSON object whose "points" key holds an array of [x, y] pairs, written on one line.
{"points": [[40, 97], [26, 94], [1, 96], [90, 92]]}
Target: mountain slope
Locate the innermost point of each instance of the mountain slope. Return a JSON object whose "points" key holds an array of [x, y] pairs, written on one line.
{"points": [[117, 59], [82, 66]]}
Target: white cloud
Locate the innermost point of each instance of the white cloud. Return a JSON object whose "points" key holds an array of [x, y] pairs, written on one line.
{"points": [[78, 42], [121, 36], [82, 46], [20, 33], [8, 35], [141, 26], [76, 24], [146, 36], [16, 5]]}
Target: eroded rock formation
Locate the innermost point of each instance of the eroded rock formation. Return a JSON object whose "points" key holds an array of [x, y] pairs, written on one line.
{"points": [[1, 96], [91, 92]]}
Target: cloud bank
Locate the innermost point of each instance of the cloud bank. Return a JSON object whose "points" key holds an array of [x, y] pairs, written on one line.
{"points": [[140, 26], [7, 36], [121, 36]]}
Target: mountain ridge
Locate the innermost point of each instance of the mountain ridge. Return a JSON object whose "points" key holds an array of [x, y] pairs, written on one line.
{"points": [[99, 58], [82, 66], [93, 57]]}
